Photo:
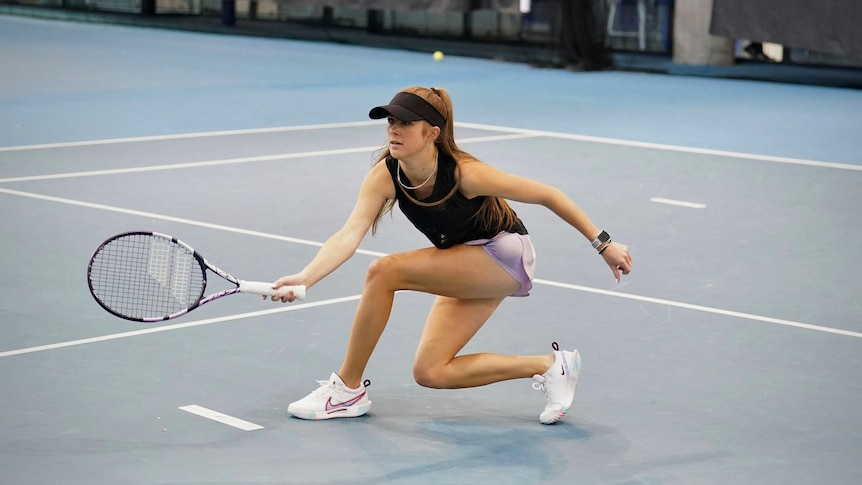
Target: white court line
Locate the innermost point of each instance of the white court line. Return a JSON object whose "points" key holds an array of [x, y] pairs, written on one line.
{"points": [[209, 134], [182, 136], [674, 148], [700, 308], [177, 326], [230, 161], [478, 126], [180, 220], [221, 417], [379, 254], [680, 203], [175, 166]]}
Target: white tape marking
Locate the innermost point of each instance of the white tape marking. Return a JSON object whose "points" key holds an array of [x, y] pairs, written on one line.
{"points": [[680, 203], [221, 418]]}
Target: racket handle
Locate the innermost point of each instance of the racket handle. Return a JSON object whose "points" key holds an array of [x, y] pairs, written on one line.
{"points": [[261, 288]]}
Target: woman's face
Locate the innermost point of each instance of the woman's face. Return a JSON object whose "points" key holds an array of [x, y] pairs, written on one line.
{"points": [[406, 138]]}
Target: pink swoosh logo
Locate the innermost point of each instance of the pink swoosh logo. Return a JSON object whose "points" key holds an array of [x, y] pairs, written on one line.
{"points": [[330, 407]]}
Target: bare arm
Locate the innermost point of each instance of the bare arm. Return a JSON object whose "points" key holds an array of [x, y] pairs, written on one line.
{"points": [[481, 179], [375, 190]]}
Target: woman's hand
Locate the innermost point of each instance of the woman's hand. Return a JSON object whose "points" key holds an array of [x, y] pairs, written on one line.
{"points": [[618, 258], [289, 280]]}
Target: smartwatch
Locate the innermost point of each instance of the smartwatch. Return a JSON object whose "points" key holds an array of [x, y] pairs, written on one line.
{"points": [[602, 238]]}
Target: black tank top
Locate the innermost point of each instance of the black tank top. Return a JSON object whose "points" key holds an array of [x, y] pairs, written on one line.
{"points": [[452, 222]]}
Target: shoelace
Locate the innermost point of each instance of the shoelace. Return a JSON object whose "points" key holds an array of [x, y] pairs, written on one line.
{"points": [[539, 383], [324, 387]]}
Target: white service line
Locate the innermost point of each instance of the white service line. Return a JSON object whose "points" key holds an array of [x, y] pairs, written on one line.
{"points": [[177, 326], [661, 146], [706, 309], [238, 160], [182, 136], [221, 417], [379, 254], [680, 203], [461, 124], [180, 220], [211, 134], [176, 166]]}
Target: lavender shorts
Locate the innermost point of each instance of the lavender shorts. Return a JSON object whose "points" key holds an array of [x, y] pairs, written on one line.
{"points": [[515, 253]]}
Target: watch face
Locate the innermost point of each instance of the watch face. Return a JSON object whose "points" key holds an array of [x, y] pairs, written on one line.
{"points": [[602, 238]]}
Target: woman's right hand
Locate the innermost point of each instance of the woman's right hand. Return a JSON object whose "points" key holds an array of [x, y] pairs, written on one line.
{"points": [[289, 280]]}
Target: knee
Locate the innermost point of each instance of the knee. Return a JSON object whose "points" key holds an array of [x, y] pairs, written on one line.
{"points": [[428, 377], [381, 270]]}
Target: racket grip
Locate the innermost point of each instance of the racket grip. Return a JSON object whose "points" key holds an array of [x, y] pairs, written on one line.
{"points": [[261, 288]]}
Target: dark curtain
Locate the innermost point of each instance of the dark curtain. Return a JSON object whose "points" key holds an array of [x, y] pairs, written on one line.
{"points": [[581, 34], [833, 26], [426, 5]]}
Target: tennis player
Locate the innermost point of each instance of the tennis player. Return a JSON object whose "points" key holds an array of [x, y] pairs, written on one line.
{"points": [[481, 254]]}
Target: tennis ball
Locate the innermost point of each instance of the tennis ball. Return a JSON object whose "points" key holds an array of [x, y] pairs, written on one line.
{"points": [[438, 55]]}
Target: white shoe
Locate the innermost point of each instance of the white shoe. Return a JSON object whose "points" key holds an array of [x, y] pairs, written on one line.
{"points": [[332, 399], [558, 384]]}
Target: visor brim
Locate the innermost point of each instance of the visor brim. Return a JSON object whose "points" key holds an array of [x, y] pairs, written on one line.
{"points": [[395, 111]]}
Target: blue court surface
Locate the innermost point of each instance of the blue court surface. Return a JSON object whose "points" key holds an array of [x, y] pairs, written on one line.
{"points": [[730, 355]]}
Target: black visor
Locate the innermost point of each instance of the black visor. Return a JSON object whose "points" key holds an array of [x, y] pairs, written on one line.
{"points": [[409, 107]]}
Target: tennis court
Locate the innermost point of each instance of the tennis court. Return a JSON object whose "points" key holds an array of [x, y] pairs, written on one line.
{"points": [[731, 354]]}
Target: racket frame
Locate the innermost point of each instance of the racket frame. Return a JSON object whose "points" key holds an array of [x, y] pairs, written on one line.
{"points": [[202, 299]]}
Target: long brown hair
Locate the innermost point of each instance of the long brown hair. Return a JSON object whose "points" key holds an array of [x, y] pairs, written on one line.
{"points": [[495, 212]]}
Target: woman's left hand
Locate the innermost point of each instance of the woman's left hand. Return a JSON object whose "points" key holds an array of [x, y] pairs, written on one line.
{"points": [[618, 258]]}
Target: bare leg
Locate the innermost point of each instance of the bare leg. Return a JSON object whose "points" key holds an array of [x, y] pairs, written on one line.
{"points": [[451, 324], [473, 285]]}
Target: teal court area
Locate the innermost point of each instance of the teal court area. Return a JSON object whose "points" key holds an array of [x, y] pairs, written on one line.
{"points": [[729, 355]]}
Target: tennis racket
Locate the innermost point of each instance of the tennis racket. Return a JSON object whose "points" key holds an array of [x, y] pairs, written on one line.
{"points": [[151, 277]]}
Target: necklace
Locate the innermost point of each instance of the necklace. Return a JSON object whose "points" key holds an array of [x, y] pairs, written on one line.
{"points": [[398, 175]]}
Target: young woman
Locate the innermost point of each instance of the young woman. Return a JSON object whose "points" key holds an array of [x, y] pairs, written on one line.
{"points": [[482, 254]]}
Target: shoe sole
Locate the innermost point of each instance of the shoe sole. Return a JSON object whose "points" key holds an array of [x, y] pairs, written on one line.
{"points": [[349, 412]]}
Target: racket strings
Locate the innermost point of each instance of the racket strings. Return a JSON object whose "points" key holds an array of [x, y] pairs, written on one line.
{"points": [[143, 276]]}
